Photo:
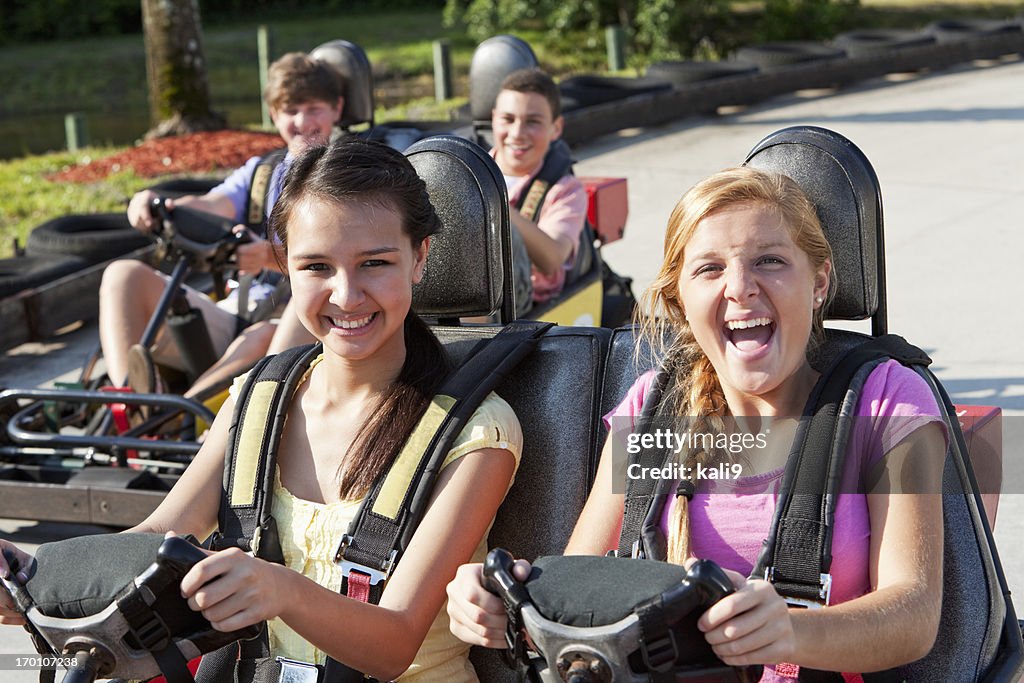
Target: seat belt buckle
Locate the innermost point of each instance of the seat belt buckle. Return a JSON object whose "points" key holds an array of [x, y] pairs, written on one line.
{"points": [[294, 671], [824, 591], [347, 567]]}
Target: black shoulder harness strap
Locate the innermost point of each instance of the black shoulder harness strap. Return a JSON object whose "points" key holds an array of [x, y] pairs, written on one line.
{"points": [[644, 496], [557, 163], [387, 518], [259, 189], [797, 553]]}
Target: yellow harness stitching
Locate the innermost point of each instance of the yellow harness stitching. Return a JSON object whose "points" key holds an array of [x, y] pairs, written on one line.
{"points": [[399, 478], [247, 456]]}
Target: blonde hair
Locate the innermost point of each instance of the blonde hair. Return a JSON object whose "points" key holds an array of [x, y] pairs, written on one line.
{"points": [[697, 392]]}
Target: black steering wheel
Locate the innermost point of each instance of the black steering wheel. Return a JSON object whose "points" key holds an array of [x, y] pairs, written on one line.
{"points": [[205, 239]]}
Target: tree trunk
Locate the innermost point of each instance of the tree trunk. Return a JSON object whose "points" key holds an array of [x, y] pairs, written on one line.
{"points": [[179, 97]]}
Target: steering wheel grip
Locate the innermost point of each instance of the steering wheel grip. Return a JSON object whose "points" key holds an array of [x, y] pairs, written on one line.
{"points": [[498, 579], [711, 580]]}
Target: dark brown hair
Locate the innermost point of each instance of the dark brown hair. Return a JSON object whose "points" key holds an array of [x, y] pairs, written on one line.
{"points": [[352, 169], [297, 78], [535, 80]]}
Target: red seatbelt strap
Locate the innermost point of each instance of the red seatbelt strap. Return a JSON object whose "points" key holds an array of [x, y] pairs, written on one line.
{"points": [[358, 586]]}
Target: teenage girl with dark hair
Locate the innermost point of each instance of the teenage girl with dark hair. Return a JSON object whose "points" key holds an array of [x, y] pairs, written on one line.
{"points": [[355, 221]]}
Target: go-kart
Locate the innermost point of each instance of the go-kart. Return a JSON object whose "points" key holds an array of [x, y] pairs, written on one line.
{"points": [[106, 455]]}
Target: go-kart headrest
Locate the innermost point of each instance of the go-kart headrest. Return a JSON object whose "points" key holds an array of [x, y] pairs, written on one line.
{"points": [[466, 272], [493, 60], [841, 182], [354, 65]]}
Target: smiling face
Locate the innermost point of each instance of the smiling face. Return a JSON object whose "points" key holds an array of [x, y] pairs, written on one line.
{"points": [[352, 268], [523, 130], [306, 124], [749, 294]]}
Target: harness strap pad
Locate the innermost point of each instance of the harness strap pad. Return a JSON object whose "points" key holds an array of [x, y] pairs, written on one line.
{"points": [[382, 528], [557, 163], [259, 189]]}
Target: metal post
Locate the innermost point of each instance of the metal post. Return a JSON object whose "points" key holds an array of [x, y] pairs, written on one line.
{"points": [[263, 47], [75, 132], [615, 40], [442, 71]]}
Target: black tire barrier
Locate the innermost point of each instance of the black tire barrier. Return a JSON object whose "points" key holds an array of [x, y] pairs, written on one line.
{"points": [[26, 272], [586, 91], [180, 187], [92, 237], [868, 43], [682, 73], [773, 56], [956, 30]]}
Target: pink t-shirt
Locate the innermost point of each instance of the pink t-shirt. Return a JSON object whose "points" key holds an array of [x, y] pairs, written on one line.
{"points": [[562, 214], [729, 528]]}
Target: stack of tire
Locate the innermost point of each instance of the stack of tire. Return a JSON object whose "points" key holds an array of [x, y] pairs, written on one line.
{"points": [[68, 244]]}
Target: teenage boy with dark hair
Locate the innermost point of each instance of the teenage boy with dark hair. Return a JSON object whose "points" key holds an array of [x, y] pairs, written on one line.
{"points": [[305, 97], [547, 217]]}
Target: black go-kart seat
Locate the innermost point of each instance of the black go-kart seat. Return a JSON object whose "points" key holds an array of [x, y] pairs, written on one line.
{"points": [[493, 60], [468, 273], [351, 61]]}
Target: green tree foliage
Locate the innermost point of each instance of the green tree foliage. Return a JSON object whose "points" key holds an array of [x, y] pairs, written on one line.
{"points": [[659, 29], [806, 19]]}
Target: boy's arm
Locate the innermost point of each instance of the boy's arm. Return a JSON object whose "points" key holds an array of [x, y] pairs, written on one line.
{"points": [[547, 253], [553, 238], [211, 202]]}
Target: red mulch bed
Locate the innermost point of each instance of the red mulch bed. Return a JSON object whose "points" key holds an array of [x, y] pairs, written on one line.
{"points": [[195, 153]]}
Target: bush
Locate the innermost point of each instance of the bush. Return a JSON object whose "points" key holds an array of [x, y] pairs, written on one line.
{"points": [[806, 19], [659, 29]]}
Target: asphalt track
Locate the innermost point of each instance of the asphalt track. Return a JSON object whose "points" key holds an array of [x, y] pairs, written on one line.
{"points": [[948, 151]]}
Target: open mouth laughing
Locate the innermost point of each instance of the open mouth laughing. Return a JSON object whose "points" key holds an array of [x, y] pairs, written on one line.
{"points": [[751, 336]]}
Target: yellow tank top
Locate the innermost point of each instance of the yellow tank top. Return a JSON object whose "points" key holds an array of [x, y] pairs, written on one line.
{"points": [[310, 533]]}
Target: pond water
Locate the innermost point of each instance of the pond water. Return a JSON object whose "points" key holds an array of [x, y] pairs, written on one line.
{"points": [[39, 133]]}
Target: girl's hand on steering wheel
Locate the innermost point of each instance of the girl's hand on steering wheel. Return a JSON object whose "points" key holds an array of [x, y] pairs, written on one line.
{"points": [[233, 589], [750, 626], [14, 564], [477, 616]]}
